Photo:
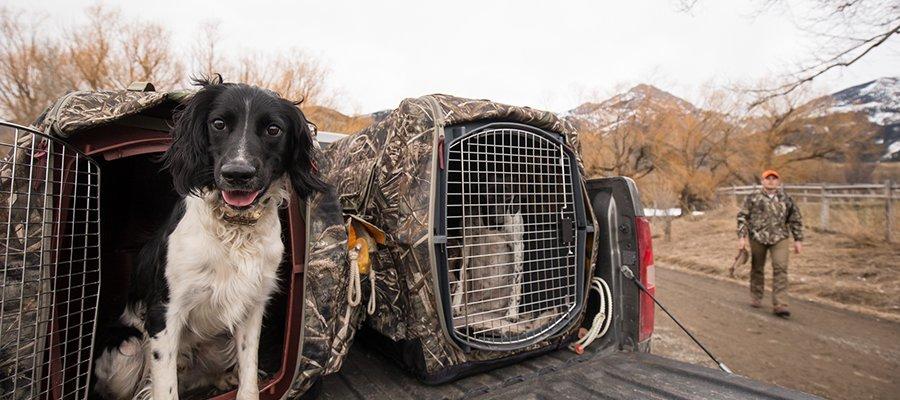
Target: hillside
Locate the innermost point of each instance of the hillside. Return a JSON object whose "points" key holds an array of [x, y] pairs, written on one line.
{"points": [[639, 103], [329, 120], [879, 102]]}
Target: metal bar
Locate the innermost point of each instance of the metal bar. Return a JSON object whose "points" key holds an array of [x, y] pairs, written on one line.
{"points": [[494, 194], [539, 312], [499, 298], [502, 264], [888, 212], [543, 249], [494, 227], [536, 240], [532, 173], [49, 304], [12, 182], [499, 215], [539, 317], [510, 274], [530, 282]]}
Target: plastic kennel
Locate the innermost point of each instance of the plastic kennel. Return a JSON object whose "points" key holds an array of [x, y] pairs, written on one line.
{"points": [[488, 237], [79, 196]]}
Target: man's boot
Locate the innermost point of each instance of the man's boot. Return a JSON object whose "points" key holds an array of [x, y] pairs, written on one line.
{"points": [[781, 311]]}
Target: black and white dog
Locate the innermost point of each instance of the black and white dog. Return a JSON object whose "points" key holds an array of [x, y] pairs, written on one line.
{"points": [[199, 290]]}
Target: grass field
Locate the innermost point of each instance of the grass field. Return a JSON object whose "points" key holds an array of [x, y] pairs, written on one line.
{"points": [[851, 267]]}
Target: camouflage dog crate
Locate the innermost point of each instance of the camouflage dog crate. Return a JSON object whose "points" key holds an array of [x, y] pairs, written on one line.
{"points": [[77, 196], [488, 237]]}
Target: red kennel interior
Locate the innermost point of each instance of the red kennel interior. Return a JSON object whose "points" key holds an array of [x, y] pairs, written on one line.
{"points": [[136, 196]]}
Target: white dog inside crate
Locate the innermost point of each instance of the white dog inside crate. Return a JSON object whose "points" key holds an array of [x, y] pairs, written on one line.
{"points": [[488, 290]]}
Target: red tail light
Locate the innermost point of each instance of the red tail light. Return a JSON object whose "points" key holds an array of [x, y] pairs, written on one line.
{"points": [[647, 275]]}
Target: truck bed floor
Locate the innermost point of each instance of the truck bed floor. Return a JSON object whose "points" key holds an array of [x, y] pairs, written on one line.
{"points": [[558, 375]]}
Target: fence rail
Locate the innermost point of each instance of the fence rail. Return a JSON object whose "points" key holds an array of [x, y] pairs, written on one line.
{"points": [[828, 194]]}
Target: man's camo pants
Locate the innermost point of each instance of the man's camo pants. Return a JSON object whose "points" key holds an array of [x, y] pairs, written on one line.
{"points": [[780, 253]]}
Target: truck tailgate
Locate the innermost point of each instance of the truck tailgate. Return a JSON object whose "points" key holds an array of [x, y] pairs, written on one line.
{"points": [[557, 375]]}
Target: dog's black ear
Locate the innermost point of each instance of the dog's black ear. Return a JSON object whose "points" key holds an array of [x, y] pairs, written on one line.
{"points": [[304, 177], [188, 158]]}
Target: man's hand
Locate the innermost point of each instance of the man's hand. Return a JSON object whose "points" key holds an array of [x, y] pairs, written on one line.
{"points": [[742, 243], [798, 247]]}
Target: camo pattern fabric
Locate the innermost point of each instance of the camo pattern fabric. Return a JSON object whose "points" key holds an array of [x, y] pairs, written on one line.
{"points": [[24, 282], [80, 110], [769, 220], [329, 322], [386, 178], [22, 179]]}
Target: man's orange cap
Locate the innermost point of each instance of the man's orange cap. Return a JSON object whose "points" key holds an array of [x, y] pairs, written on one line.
{"points": [[768, 172]]}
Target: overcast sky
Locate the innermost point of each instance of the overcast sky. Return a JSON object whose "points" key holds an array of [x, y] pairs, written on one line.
{"points": [[545, 54]]}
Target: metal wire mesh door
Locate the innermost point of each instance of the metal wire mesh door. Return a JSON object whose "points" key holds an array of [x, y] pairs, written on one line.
{"points": [[511, 242], [50, 261]]}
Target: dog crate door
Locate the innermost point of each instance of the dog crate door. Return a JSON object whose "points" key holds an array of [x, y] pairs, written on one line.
{"points": [[512, 212], [50, 255]]}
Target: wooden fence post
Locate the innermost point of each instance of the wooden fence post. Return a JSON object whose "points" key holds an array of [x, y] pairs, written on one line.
{"points": [[888, 211], [823, 212], [734, 196]]}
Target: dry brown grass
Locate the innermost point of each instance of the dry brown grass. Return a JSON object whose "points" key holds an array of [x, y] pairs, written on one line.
{"points": [[860, 273], [862, 223]]}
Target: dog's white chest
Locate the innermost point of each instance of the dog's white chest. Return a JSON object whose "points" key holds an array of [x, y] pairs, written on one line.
{"points": [[218, 272]]}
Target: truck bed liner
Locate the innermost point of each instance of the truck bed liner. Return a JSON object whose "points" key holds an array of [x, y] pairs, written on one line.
{"points": [[558, 375]]}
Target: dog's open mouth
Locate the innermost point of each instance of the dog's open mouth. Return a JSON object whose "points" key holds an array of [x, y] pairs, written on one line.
{"points": [[240, 198]]}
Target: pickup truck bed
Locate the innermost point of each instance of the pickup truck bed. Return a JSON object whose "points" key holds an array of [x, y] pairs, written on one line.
{"points": [[602, 374]]}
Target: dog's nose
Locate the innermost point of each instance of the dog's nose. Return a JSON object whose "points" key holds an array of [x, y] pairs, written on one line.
{"points": [[238, 172]]}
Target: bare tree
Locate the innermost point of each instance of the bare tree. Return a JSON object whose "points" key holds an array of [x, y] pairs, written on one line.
{"points": [[205, 54], [146, 54], [787, 132], [110, 52], [29, 65], [845, 31], [90, 49], [696, 149], [106, 52], [293, 74], [626, 147], [623, 141], [657, 191], [849, 30]]}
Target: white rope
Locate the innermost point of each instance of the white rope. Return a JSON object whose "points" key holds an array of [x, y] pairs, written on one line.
{"points": [[603, 318], [371, 308], [354, 291]]}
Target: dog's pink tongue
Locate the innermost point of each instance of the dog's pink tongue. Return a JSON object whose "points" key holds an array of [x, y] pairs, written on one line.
{"points": [[239, 198]]}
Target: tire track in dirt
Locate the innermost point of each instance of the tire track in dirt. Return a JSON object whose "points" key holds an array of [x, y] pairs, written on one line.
{"points": [[821, 350]]}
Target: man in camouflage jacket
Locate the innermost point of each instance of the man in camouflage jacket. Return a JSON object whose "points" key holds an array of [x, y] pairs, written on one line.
{"points": [[767, 218]]}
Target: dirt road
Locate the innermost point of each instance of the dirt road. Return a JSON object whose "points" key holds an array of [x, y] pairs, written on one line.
{"points": [[822, 350]]}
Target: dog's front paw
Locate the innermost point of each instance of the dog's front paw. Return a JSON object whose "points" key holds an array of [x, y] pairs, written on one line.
{"points": [[247, 394]]}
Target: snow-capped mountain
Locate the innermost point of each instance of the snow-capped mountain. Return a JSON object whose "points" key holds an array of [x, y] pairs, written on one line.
{"points": [[879, 101], [637, 103]]}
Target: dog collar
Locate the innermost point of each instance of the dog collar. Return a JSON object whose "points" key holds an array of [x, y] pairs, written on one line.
{"points": [[241, 217]]}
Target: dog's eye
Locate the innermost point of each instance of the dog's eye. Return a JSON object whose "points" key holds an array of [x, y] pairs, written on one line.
{"points": [[218, 125], [273, 130]]}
